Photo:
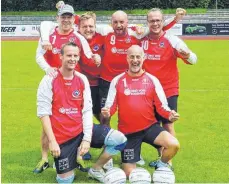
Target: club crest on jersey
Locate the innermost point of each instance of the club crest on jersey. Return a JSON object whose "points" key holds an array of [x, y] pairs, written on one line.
{"points": [[76, 93], [127, 92], [128, 40], [114, 50], [161, 44], [72, 39], [96, 48]]}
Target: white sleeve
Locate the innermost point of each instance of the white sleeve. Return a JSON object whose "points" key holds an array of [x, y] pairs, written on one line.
{"points": [[112, 91], [104, 29], [192, 58], [86, 48], [40, 57], [178, 43], [168, 21], [87, 110], [44, 97], [133, 33], [46, 28]]}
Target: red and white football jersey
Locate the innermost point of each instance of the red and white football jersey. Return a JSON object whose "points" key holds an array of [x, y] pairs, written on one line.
{"points": [[161, 61], [115, 51], [92, 71], [51, 58], [135, 98], [68, 104]]}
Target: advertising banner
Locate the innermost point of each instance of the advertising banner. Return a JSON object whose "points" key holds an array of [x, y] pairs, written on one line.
{"points": [[206, 29], [20, 30], [33, 30]]}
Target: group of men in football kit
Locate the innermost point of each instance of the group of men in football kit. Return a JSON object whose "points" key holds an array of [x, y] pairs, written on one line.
{"points": [[138, 68]]}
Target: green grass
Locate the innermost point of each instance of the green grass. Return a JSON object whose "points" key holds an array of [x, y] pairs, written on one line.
{"points": [[103, 12], [202, 130]]}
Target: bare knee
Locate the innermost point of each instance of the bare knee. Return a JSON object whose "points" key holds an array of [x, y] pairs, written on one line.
{"points": [[174, 144]]}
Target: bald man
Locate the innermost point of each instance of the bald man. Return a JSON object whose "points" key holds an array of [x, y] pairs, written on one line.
{"points": [[138, 92], [115, 46]]}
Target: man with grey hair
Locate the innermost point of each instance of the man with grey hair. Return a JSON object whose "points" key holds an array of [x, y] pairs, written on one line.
{"points": [[162, 51]]}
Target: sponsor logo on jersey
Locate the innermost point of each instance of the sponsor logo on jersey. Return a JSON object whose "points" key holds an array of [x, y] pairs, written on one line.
{"points": [[127, 92], [76, 93], [62, 110], [72, 39], [118, 51], [114, 50], [153, 57], [55, 50], [71, 110], [161, 44], [96, 48]]}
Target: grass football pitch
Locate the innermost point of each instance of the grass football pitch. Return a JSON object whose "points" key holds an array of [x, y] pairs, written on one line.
{"points": [[202, 129]]}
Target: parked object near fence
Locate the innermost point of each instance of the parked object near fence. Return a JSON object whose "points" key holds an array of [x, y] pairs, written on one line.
{"points": [[206, 29]]}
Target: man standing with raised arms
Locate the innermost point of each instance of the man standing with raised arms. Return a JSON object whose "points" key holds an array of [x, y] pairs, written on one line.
{"points": [[162, 51]]}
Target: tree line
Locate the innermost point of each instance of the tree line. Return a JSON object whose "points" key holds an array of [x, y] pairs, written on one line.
{"points": [[44, 5]]}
